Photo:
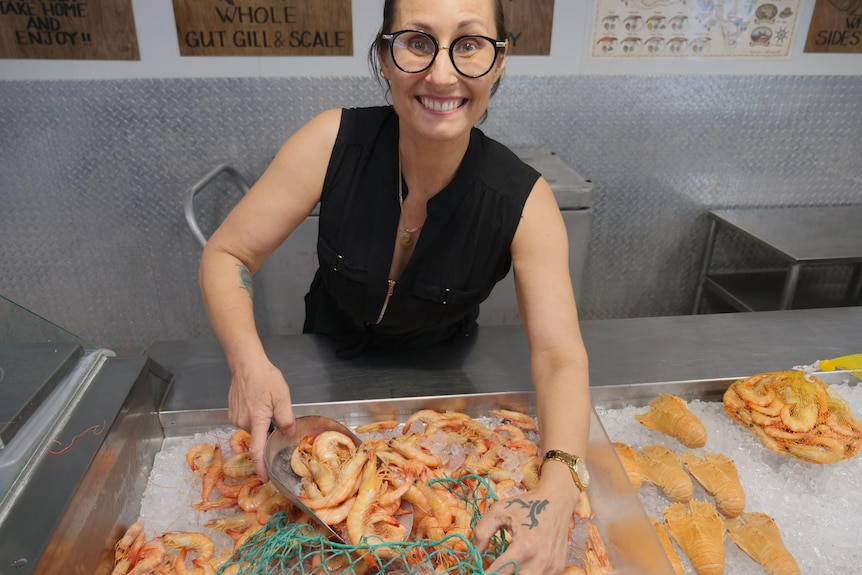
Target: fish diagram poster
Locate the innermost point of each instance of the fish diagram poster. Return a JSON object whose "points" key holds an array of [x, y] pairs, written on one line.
{"points": [[688, 28]]}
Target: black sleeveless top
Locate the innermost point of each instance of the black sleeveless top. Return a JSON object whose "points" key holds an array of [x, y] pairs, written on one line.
{"points": [[462, 252]]}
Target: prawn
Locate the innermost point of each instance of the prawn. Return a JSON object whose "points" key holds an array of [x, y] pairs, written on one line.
{"points": [[757, 389], [409, 448], [124, 545], [347, 481], [212, 474], [817, 449], [228, 489], [238, 465], [249, 495], [300, 457], [432, 419], [377, 426], [234, 524], [151, 556], [220, 503], [201, 567], [199, 456], [187, 540], [332, 448], [270, 505], [240, 441], [516, 418], [369, 486]]}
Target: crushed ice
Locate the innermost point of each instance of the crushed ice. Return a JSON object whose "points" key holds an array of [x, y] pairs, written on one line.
{"points": [[817, 507]]}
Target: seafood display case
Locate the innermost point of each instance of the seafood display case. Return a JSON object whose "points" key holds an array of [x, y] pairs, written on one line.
{"points": [[81, 482]]}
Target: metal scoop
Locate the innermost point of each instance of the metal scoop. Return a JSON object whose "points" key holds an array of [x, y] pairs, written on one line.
{"points": [[279, 449]]}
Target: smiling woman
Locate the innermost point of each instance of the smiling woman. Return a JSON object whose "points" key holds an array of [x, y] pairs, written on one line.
{"points": [[421, 215]]}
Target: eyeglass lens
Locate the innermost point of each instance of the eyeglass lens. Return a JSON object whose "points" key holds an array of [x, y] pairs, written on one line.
{"points": [[472, 56]]}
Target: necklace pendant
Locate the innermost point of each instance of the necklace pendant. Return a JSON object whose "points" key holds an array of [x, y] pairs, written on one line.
{"points": [[405, 239]]}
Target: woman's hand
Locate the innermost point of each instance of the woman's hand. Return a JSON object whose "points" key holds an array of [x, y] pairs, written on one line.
{"points": [[256, 397], [539, 522]]}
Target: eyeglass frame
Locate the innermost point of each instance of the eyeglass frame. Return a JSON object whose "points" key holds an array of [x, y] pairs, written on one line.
{"points": [[498, 45]]}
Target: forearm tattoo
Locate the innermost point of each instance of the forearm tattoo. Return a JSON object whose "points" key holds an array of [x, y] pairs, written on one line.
{"points": [[534, 506], [245, 281]]}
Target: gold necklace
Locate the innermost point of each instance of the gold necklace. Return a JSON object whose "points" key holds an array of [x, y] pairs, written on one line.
{"points": [[406, 237]]}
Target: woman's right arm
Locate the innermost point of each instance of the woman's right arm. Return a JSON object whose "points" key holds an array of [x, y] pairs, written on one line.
{"points": [[278, 202]]}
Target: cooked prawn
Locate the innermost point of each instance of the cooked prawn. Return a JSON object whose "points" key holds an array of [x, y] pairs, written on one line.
{"points": [[818, 449], [377, 426], [238, 465], [332, 448], [516, 418], [128, 539], [271, 505], [347, 482], [197, 542], [369, 487], [212, 474], [199, 456], [409, 448], [150, 557], [757, 390], [300, 457], [234, 524], [240, 441]]}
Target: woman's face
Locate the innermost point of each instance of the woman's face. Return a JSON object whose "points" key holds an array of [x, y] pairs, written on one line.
{"points": [[440, 103]]}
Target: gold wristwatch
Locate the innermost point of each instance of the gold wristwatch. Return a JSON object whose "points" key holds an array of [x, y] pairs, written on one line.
{"points": [[576, 465]]}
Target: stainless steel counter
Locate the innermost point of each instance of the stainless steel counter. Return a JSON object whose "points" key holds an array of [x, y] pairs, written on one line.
{"points": [[621, 352]]}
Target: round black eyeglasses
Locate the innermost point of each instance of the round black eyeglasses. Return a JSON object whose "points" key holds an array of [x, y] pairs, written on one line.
{"points": [[472, 55]]}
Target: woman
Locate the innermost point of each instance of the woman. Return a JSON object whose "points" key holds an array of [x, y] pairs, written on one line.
{"points": [[420, 215]]}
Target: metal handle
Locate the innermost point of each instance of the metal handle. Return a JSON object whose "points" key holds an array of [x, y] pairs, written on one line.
{"points": [[189, 201]]}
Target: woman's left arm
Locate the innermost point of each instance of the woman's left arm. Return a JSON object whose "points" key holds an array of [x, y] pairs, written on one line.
{"points": [[539, 520]]}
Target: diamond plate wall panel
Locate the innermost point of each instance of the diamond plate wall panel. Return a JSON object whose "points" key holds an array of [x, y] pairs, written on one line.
{"points": [[93, 174]]}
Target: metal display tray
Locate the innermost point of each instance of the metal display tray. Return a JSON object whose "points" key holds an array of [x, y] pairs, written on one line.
{"points": [[123, 475]]}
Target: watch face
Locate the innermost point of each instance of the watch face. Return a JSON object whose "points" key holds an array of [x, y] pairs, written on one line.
{"points": [[583, 473]]}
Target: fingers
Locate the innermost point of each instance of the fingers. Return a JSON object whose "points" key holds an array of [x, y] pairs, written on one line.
{"points": [[282, 410], [487, 527], [259, 431]]}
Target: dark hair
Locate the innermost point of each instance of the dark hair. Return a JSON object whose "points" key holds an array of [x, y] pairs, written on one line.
{"points": [[379, 44]]}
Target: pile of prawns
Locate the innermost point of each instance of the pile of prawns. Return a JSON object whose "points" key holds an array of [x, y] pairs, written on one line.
{"points": [[359, 490]]}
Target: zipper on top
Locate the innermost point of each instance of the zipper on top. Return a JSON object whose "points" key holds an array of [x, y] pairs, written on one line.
{"points": [[386, 301]]}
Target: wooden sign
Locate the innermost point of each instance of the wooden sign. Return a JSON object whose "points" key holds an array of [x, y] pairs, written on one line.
{"points": [[68, 30], [529, 24], [836, 26], [264, 27]]}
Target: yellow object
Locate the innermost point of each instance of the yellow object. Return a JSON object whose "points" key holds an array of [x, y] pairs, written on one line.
{"points": [[846, 362]]}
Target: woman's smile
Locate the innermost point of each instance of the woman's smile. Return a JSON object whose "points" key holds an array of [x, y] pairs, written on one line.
{"points": [[441, 105]]}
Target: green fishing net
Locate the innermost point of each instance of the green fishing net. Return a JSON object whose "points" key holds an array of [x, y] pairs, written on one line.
{"points": [[285, 547]]}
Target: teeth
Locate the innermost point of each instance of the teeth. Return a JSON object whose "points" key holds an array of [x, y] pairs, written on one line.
{"points": [[438, 106]]}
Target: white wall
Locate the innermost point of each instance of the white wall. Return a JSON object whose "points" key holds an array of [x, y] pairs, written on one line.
{"points": [[570, 48]]}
